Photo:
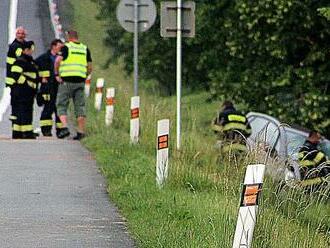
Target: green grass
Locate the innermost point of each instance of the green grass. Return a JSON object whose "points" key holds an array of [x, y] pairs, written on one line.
{"points": [[199, 204]]}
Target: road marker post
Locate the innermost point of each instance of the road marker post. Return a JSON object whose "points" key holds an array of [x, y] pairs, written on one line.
{"points": [[109, 109], [88, 85], [163, 129], [98, 93], [135, 119], [248, 210]]}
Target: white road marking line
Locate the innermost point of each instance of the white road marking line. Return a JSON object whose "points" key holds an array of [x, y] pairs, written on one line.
{"points": [[12, 20], [5, 100]]}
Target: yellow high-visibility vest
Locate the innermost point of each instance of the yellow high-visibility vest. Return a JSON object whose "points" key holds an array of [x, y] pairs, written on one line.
{"points": [[75, 65]]}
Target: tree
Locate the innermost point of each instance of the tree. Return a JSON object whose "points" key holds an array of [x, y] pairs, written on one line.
{"points": [[271, 55]]}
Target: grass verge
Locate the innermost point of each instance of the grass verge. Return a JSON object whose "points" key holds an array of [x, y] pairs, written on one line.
{"points": [[199, 204]]}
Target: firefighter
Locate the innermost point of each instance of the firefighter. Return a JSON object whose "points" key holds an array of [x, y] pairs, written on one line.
{"points": [[24, 78], [71, 70], [313, 162], [232, 128], [48, 89], [15, 50]]}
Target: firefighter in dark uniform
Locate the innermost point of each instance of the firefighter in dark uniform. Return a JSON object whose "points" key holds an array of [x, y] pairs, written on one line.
{"points": [[15, 50], [48, 89], [24, 75], [232, 128], [312, 161]]}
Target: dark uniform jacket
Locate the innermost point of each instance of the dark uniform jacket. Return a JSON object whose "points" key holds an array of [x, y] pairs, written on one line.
{"points": [[310, 157], [233, 123], [46, 70], [24, 73], [15, 50], [46, 66]]}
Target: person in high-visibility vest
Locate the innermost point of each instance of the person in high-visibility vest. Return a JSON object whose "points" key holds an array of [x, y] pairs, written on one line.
{"points": [[24, 78], [313, 161], [232, 127], [48, 90], [71, 69]]}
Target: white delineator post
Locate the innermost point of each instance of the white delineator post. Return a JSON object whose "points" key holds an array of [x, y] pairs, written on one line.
{"points": [[88, 85], [98, 93], [109, 109], [163, 130], [249, 206], [135, 119]]}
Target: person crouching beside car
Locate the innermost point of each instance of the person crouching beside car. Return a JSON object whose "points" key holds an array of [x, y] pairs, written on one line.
{"points": [[313, 162], [232, 128]]}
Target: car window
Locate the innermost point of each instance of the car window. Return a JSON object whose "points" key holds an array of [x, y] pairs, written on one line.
{"points": [[325, 147], [294, 142], [263, 130]]}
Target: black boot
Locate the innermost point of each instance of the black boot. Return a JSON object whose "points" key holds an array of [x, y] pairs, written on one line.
{"points": [[62, 133], [29, 135], [79, 136], [16, 135], [46, 131]]}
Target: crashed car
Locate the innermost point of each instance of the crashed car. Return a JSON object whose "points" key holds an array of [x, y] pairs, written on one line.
{"points": [[282, 141]]}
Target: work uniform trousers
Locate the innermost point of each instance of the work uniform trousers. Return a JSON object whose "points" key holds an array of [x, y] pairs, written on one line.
{"points": [[46, 119], [22, 115]]}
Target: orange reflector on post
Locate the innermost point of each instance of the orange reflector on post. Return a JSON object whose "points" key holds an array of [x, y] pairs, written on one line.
{"points": [[110, 101], [88, 81], [135, 113], [250, 195], [99, 90], [162, 142]]}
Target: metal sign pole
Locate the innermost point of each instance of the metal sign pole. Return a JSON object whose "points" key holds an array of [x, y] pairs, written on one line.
{"points": [[136, 46], [178, 73]]}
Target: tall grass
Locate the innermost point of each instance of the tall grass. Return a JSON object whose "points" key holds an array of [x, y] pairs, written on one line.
{"points": [[199, 204]]}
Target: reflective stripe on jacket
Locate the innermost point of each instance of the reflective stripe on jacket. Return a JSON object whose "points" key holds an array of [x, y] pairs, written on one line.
{"points": [[75, 65], [15, 50], [23, 79], [234, 121], [311, 158]]}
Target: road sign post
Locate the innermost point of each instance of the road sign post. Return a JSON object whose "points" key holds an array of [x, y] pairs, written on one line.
{"points": [[136, 16], [178, 20]]}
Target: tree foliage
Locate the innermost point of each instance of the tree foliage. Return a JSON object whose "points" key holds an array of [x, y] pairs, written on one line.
{"points": [[271, 55], [325, 12]]}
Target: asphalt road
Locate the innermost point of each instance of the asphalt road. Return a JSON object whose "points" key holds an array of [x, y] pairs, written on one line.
{"points": [[51, 191]]}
